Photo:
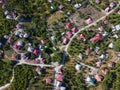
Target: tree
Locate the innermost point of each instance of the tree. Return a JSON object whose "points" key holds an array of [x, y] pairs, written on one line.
{"points": [[57, 57], [117, 45]]}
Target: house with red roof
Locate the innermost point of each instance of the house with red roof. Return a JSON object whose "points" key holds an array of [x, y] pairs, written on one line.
{"points": [[69, 34], [68, 25], [16, 46], [59, 77], [36, 52], [50, 1], [74, 30], [88, 21], [118, 11], [98, 64], [96, 38], [82, 36], [1, 54], [105, 71], [107, 9], [3, 6], [101, 28], [99, 78], [38, 70], [112, 5], [111, 64], [65, 41], [98, 1], [104, 20], [49, 81], [1, 1], [87, 51], [43, 41]]}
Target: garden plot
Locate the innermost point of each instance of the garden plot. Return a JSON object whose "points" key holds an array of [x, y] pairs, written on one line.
{"points": [[82, 14]]}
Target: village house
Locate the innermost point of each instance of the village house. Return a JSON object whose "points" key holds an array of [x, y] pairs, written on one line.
{"points": [[10, 40], [36, 52], [104, 21], [38, 70], [26, 35], [65, 41], [90, 80], [117, 27], [111, 64], [53, 38], [99, 78], [103, 56], [1, 54], [78, 67], [74, 30], [87, 51], [105, 34], [112, 5], [105, 71], [4, 6], [9, 17], [77, 6], [1, 1], [68, 25], [49, 81], [97, 49], [115, 36], [111, 45], [30, 49], [101, 28], [14, 56], [80, 56], [1, 44], [69, 34], [98, 64], [98, 1], [19, 26], [6, 37], [20, 43], [118, 11], [89, 20], [96, 38], [107, 9], [50, 1], [6, 12], [60, 6], [44, 41], [82, 37], [58, 84], [59, 77]]}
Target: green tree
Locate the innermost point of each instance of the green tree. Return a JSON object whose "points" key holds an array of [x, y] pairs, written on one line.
{"points": [[117, 45]]}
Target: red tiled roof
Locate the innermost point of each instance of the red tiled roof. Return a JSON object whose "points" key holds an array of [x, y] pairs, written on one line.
{"points": [[89, 21], [59, 77], [74, 29], [99, 78], [105, 71], [68, 25], [97, 37], [65, 41], [82, 36], [69, 34], [36, 52]]}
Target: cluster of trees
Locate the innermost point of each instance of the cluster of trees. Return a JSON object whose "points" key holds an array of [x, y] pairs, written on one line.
{"points": [[73, 81], [23, 75], [5, 72], [117, 45], [114, 18], [112, 79]]}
